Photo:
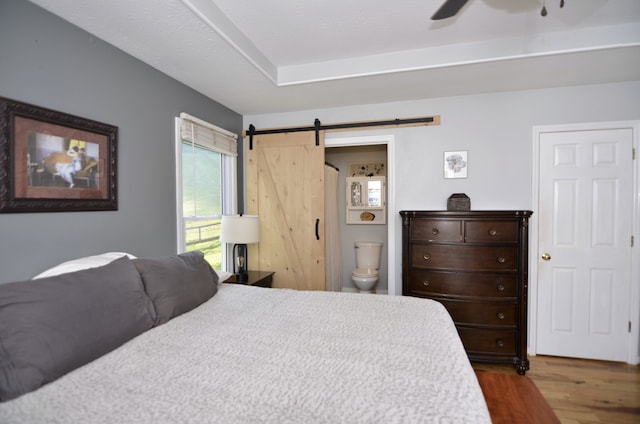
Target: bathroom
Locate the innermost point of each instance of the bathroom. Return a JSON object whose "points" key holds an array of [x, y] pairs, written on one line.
{"points": [[342, 158]]}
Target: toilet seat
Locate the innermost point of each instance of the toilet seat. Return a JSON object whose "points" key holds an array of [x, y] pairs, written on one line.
{"points": [[364, 272]]}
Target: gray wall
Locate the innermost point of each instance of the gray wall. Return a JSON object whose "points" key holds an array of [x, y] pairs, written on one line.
{"points": [[51, 63]]}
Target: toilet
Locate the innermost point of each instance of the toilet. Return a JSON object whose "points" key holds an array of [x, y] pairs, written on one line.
{"points": [[365, 275]]}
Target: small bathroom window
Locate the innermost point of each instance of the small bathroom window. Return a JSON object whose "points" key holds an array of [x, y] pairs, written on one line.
{"points": [[366, 200]]}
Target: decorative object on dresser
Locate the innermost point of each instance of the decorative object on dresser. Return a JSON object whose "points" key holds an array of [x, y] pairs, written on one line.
{"points": [[458, 202], [475, 263]]}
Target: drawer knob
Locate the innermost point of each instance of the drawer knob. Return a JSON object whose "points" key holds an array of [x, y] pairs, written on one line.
{"points": [[425, 283], [435, 231], [501, 260], [500, 343], [427, 257], [492, 232], [500, 315], [500, 287]]}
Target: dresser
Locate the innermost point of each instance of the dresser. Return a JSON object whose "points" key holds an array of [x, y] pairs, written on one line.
{"points": [[475, 263]]}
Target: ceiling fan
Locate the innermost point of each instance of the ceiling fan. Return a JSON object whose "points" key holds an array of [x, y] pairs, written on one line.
{"points": [[451, 7], [448, 9]]}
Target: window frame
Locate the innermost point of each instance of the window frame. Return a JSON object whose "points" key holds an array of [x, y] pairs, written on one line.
{"points": [[229, 176]]}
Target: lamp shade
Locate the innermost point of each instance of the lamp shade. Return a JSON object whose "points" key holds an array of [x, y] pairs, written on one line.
{"points": [[240, 229]]}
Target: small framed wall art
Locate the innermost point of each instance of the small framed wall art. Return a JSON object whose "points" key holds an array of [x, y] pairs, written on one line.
{"points": [[367, 169], [455, 164], [54, 162]]}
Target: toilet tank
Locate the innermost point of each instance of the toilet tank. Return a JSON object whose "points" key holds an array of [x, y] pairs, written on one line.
{"points": [[368, 254]]}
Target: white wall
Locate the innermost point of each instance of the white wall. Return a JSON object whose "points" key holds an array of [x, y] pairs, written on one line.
{"points": [[496, 130]]}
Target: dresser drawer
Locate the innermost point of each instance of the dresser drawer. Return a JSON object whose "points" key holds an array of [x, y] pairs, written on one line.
{"points": [[481, 313], [481, 340], [464, 257], [475, 284], [491, 232], [436, 230]]}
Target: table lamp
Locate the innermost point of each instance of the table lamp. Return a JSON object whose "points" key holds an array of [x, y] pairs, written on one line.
{"points": [[240, 230]]}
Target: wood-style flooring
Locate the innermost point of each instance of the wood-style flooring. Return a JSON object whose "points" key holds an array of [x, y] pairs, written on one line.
{"points": [[514, 398], [583, 391]]}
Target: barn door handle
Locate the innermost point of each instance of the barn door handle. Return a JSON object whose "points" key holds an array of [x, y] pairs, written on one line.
{"points": [[317, 228], [316, 124]]}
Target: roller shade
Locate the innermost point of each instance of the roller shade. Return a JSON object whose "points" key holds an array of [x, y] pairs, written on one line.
{"points": [[209, 136]]}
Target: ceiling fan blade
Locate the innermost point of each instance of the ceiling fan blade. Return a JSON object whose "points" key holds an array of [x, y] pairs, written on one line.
{"points": [[448, 9]]}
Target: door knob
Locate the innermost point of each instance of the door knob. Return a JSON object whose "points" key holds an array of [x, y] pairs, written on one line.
{"points": [[546, 256]]}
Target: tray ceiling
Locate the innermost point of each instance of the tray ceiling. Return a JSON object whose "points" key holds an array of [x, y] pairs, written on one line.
{"points": [[283, 55]]}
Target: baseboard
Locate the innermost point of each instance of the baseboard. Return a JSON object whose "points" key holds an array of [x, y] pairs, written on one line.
{"points": [[355, 290]]}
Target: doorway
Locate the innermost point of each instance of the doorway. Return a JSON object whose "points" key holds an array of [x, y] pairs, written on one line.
{"points": [[584, 273], [393, 288]]}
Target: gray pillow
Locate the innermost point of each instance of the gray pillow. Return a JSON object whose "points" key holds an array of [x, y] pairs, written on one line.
{"points": [[51, 326], [177, 284]]}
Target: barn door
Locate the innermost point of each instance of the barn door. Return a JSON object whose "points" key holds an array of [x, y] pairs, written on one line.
{"points": [[285, 188]]}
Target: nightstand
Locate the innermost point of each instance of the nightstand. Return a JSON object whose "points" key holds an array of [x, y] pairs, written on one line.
{"points": [[256, 278]]}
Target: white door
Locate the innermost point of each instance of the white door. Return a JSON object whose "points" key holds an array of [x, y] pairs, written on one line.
{"points": [[584, 243]]}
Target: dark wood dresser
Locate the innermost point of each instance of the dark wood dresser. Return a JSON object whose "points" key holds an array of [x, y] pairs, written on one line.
{"points": [[475, 263]]}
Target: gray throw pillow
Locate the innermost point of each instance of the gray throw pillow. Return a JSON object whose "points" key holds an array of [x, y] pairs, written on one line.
{"points": [[51, 326], [177, 284]]}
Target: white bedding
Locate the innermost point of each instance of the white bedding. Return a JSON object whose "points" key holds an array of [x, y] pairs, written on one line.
{"points": [[278, 356]]}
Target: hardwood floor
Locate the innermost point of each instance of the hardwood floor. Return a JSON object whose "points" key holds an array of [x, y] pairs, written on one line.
{"points": [[583, 391], [514, 398]]}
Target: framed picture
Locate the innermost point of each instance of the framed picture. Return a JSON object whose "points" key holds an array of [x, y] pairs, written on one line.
{"points": [[54, 162], [367, 169], [455, 164]]}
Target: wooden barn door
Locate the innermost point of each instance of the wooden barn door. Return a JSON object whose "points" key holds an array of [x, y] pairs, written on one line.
{"points": [[285, 188]]}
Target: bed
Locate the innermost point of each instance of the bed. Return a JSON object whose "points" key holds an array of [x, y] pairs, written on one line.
{"points": [[249, 354]]}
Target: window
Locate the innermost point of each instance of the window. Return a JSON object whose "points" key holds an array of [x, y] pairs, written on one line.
{"points": [[206, 185]]}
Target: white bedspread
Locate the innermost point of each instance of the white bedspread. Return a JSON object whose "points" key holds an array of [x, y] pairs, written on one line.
{"points": [[277, 356]]}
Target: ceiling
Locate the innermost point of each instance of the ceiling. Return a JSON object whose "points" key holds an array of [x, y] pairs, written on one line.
{"points": [[271, 56]]}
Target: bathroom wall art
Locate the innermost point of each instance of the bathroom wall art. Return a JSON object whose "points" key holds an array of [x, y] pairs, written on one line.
{"points": [[367, 169]]}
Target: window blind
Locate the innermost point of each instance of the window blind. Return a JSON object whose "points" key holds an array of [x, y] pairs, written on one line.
{"points": [[204, 134]]}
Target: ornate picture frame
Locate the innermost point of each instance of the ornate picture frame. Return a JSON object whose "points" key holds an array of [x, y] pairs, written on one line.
{"points": [[51, 161]]}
